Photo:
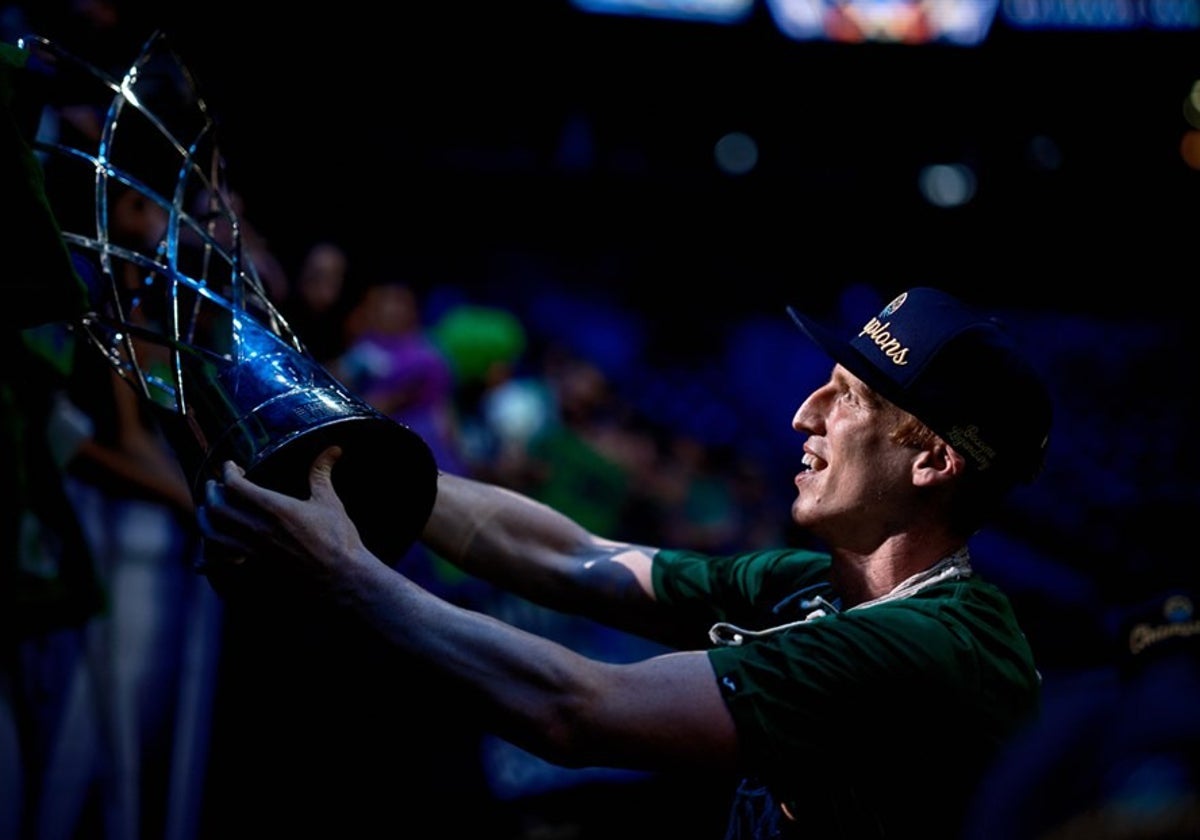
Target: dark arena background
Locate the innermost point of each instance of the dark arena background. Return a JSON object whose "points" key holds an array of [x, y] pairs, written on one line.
{"points": [[650, 192], [451, 133]]}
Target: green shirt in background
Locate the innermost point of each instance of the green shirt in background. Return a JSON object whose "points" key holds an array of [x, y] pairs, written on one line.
{"points": [[39, 283], [46, 575]]}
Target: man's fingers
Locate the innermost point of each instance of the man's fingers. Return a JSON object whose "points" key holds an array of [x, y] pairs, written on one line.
{"points": [[231, 469], [239, 518], [223, 520], [219, 549], [320, 477], [213, 536]]}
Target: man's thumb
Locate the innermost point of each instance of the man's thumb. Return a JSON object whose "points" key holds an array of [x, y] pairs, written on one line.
{"points": [[320, 476]]}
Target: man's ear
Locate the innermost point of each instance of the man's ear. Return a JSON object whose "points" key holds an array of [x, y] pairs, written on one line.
{"points": [[938, 463]]}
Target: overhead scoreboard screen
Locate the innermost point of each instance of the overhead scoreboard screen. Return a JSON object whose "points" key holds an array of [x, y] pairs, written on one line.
{"points": [[961, 22]]}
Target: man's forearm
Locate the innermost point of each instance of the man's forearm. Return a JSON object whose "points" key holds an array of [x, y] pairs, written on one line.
{"points": [[502, 536], [527, 548], [528, 685]]}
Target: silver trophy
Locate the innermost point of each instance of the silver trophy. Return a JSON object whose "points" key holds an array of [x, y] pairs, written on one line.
{"points": [[138, 184]]}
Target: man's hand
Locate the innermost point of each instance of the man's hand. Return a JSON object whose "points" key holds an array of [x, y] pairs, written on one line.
{"points": [[240, 519]]}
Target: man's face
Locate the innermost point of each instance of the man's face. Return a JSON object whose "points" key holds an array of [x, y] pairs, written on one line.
{"points": [[856, 480]]}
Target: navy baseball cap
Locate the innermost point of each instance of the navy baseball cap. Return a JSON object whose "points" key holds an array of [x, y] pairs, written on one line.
{"points": [[956, 369]]}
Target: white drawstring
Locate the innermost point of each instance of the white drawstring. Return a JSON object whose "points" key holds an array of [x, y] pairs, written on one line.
{"points": [[957, 565]]}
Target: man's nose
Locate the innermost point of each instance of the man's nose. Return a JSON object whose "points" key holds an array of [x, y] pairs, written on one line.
{"points": [[808, 416]]}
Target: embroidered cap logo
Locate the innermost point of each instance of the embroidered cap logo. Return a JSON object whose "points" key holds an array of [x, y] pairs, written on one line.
{"points": [[878, 331]]}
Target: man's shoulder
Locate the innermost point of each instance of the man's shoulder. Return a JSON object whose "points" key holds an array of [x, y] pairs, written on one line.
{"points": [[760, 556], [779, 563], [761, 576]]}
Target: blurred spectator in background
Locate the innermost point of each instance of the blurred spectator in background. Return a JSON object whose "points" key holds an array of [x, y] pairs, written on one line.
{"points": [[499, 401], [49, 586], [392, 363], [697, 482], [1116, 752], [106, 635], [125, 746], [217, 213], [549, 423], [134, 729], [317, 305]]}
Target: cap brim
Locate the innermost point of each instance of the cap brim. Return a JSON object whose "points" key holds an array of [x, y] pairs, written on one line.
{"points": [[841, 352]]}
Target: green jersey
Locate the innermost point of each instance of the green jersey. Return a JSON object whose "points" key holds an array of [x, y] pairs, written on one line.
{"points": [[875, 721]]}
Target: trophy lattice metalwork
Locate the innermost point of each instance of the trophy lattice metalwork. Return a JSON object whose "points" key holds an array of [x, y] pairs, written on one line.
{"points": [[138, 183]]}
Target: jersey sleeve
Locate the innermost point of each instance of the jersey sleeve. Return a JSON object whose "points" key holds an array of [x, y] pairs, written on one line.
{"points": [[741, 588], [907, 673]]}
